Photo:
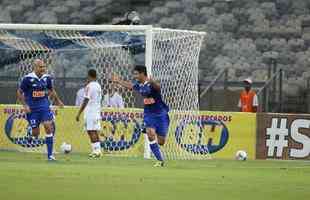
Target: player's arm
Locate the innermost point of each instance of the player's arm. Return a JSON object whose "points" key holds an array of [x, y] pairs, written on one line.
{"points": [[52, 93], [54, 96], [20, 94], [85, 102], [116, 79], [21, 99], [154, 84], [82, 107]]}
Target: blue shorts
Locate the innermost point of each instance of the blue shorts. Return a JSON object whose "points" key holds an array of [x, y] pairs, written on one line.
{"points": [[37, 117], [159, 122]]}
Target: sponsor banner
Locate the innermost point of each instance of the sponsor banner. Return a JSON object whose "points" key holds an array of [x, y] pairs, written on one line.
{"points": [[219, 134], [121, 131], [283, 136], [235, 132]]}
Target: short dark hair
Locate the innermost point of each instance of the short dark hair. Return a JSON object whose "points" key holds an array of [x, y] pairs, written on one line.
{"points": [[140, 69], [92, 73]]}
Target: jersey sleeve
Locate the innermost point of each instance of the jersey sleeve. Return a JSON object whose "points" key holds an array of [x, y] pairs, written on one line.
{"points": [[23, 86], [49, 82], [87, 92]]}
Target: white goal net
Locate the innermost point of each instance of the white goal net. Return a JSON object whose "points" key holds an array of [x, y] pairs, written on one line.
{"points": [[171, 57]]}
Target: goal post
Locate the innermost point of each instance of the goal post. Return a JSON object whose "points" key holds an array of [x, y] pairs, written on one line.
{"points": [[171, 57]]}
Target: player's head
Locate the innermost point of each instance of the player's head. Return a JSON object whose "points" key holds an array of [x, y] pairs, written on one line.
{"points": [[247, 84], [92, 74], [39, 67], [139, 73]]}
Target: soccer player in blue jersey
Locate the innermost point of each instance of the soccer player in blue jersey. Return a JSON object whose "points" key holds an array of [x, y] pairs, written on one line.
{"points": [[156, 118], [34, 92]]}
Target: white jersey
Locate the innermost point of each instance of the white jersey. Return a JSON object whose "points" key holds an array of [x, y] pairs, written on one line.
{"points": [[80, 97], [114, 101], [94, 94]]}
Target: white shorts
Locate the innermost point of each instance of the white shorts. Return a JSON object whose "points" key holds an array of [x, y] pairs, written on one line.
{"points": [[92, 123]]}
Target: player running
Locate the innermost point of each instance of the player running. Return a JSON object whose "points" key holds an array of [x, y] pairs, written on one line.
{"points": [[92, 117], [156, 118], [34, 92]]}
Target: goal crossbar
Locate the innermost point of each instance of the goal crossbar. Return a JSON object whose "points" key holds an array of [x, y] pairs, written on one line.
{"points": [[84, 27]]}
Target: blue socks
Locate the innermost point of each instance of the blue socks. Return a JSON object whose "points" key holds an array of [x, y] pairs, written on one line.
{"points": [[49, 144], [156, 151]]}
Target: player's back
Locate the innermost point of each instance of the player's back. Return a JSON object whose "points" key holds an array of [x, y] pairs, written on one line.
{"points": [[35, 90], [94, 94]]}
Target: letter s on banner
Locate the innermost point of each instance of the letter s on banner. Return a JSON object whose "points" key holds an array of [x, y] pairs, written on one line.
{"points": [[298, 137]]}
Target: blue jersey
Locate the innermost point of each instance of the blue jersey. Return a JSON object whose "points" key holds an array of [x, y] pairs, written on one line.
{"points": [[35, 90], [153, 102]]}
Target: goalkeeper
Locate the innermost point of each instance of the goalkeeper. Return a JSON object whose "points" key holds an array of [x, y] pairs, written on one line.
{"points": [[156, 118]]}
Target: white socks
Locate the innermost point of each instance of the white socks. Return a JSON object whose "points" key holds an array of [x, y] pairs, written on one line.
{"points": [[96, 147]]}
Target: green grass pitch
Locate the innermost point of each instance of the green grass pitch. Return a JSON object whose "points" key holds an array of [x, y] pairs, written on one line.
{"points": [[29, 176]]}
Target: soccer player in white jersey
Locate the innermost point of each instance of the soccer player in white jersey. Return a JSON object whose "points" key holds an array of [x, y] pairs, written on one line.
{"points": [[92, 113]]}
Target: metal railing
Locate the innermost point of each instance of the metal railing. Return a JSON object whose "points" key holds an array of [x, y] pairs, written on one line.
{"points": [[215, 80], [222, 94], [271, 94]]}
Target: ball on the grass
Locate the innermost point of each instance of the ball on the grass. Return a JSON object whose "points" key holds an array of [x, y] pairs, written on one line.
{"points": [[66, 148], [241, 155]]}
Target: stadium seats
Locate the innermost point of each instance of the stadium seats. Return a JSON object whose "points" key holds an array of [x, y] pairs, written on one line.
{"points": [[242, 34]]}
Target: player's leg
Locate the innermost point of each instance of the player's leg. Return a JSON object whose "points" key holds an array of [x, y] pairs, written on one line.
{"points": [[150, 122], [34, 124], [93, 126], [95, 143], [161, 131], [49, 139], [161, 140], [33, 130], [33, 120], [153, 143], [47, 121], [162, 127]]}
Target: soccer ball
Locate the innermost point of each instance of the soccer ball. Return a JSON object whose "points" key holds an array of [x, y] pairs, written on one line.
{"points": [[66, 148], [241, 155]]}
